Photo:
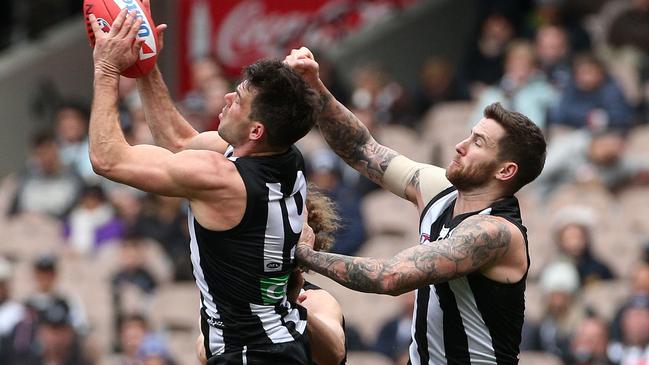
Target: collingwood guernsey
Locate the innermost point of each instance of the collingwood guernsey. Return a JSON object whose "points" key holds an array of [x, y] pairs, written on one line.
{"points": [[471, 319], [242, 273]]}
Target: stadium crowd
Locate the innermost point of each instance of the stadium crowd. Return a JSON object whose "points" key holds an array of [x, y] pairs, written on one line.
{"points": [[93, 272]]}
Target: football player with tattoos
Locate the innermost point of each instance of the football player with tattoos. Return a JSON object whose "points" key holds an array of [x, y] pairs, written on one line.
{"points": [[470, 266]]}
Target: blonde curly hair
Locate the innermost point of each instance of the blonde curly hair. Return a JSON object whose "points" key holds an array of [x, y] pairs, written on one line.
{"points": [[322, 218]]}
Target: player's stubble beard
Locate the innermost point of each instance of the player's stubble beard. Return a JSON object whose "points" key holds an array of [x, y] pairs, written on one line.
{"points": [[467, 179]]}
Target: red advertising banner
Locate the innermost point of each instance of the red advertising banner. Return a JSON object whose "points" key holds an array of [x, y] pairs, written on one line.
{"points": [[238, 32]]}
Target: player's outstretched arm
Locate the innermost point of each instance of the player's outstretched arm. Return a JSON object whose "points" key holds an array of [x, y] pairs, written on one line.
{"points": [[149, 168], [168, 126], [474, 245], [352, 141]]}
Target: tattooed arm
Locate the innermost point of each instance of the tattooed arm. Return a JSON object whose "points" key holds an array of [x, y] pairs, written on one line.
{"points": [[477, 244], [352, 141]]}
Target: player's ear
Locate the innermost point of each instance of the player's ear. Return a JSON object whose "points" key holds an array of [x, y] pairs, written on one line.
{"points": [[507, 171], [257, 131]]}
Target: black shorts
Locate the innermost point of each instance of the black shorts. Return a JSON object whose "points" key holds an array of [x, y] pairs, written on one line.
{"points": [[296, 352]]}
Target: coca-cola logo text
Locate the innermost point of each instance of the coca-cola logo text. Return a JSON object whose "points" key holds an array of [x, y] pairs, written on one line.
{"points": [[248, 32]]}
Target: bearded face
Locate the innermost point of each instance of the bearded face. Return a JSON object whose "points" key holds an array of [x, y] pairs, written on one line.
{"points": [[469, 177]]}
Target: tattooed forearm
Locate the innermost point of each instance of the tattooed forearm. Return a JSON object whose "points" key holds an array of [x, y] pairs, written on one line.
{"points": [[351, 140], [356, 273], [477, 242]]}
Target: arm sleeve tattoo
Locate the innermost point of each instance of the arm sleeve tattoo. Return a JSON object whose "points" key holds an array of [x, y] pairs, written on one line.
{"points": [[351, 140], [475, 243]]}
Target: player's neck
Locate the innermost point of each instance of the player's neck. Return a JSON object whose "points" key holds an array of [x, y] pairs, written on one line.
{"points": [[478, 199], [253, 149]]}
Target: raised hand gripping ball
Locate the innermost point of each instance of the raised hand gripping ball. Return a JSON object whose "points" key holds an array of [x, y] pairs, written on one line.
{"points": [[106, 11]]}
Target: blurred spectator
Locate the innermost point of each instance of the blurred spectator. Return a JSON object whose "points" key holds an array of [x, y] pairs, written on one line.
{"points": [[573, 236], [132, 330], [11, 312], [214, 102], [56, 341], [437, 83], [154, 351], [640, 278], [394, 336], [593, 99], [330, 76], [374, 89], [46, 186], [92, 222], [164, 219], [132, 284], [203, 70], [522, 88], [628, 51], [633, 347], [71, 127], [325, 173], [553, 52], [560, 284], [586, 158], [565, 13], [47, 294], [139, 345], [483, 64], [203, 103], [631, 27], [137, 132], [589, 343]]}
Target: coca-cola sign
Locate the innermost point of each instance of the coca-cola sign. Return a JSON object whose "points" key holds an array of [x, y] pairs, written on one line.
{"points": [[238, 32], [249, 30]]}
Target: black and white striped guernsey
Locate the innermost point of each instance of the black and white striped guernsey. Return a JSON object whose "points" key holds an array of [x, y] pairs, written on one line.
{"points": [[471, 319], [242, 273]]}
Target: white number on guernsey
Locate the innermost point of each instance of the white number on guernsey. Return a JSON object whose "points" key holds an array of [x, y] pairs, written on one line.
{"points": [[275, 235]]}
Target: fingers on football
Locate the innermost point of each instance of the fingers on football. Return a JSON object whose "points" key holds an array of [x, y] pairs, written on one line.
{"points": [[117, 23], [160, 29], [127, 26], [96, 30], [135, 28]]}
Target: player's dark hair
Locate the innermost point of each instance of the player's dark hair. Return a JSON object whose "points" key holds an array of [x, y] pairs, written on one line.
{"points": [[283, 102], [523, 143]]}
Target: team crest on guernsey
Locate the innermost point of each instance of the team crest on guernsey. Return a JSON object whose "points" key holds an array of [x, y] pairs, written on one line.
{"points": [[425, 237]]}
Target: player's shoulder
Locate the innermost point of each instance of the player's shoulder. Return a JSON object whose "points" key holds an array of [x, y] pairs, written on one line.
{"points": [[490, 228]]}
